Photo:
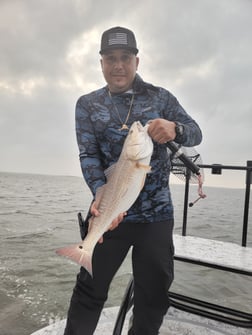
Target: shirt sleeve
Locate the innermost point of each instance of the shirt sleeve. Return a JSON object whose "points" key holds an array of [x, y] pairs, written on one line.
{"points": [[89, 153], [175, 112]]}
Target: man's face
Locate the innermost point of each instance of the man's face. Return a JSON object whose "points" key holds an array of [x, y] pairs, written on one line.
{"points": [[119, 68]]}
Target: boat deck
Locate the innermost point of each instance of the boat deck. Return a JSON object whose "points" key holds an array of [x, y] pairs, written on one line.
{"points": [[176, 323], [223, 255]]}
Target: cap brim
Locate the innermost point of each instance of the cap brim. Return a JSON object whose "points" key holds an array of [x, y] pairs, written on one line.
{"points": [[114, 47]]}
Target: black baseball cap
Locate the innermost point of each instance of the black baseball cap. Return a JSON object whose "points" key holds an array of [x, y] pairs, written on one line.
{"points": [[118, 38]]}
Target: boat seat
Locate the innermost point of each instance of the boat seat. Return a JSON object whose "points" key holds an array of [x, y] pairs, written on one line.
{"points": [[217, 254]]}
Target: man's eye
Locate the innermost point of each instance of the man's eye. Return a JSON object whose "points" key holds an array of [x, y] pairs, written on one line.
{"points": [[125, 58], [110, 59]]}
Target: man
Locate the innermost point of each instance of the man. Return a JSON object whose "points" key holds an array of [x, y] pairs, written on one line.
{"points": [[103, 118]]}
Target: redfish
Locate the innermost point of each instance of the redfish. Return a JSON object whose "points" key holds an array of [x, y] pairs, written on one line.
{"points": [[125, 180]]}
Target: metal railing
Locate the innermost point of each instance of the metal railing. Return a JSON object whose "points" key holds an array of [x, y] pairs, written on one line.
{"points": [[217, 169], [190, 304]]}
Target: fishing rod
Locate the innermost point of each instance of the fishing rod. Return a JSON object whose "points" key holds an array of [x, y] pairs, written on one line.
{"points": [[178, 153]]}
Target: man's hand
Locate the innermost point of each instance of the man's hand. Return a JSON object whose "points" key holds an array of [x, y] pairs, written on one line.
{"points": [[94, 211], [161, 130]]}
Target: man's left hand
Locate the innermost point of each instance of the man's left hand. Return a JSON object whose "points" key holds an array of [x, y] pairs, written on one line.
{"points": [[161, 130]]}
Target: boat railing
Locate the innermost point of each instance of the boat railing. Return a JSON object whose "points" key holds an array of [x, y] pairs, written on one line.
{"points": [[216, 169], [198, 251]]}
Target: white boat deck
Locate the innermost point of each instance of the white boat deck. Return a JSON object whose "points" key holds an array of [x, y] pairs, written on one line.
{"points": [[175, 323], [219, 253]]}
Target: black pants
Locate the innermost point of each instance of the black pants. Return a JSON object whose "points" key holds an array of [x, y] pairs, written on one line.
{"points": [[152, 260]]}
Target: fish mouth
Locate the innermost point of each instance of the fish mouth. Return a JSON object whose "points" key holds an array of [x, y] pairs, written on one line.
{"points": [[136, 127], [139, 126]]}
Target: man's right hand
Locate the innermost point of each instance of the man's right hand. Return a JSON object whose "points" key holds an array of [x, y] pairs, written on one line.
{"points": [[114, 224]]}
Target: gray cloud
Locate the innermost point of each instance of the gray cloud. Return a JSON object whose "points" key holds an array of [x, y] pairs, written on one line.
{"points": [[199, 50]]}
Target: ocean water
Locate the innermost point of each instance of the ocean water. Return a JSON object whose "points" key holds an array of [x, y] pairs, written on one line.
{"points": [[38, 214]]}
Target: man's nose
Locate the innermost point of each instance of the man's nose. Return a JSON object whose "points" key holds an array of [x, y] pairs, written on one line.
{"points": [[119, 63]]}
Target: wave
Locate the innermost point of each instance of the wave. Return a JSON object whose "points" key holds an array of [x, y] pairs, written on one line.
{"points": [[19, 211], [31, 235]]}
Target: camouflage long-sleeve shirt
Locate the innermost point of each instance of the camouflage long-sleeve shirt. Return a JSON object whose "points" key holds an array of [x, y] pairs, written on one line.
{"points": [[100, 141]]}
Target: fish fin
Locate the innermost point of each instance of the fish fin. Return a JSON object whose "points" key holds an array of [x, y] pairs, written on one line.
{"points": [[77, 254], [143, 166], [109, 171], [100, 190]]}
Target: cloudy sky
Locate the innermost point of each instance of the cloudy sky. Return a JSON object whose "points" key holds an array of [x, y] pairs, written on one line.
{"points": [[201, 50]]}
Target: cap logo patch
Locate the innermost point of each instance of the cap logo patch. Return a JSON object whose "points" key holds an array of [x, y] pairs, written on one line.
{"points": [[117, 38]]}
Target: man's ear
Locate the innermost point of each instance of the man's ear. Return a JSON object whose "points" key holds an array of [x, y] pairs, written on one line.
{"points": [[137, 62], [101, 64]]}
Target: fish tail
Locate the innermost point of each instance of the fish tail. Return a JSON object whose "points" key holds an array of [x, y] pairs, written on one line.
{"points": [[79, 255]]}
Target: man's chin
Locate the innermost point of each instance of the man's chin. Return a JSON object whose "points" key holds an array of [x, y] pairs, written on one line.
{"points": [[119, 87]]}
